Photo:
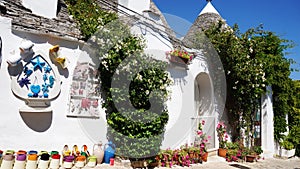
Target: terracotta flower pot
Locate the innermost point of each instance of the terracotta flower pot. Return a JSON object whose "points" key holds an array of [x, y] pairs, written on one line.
{"points": [[222, 152], [204, 157], [250, 158]]}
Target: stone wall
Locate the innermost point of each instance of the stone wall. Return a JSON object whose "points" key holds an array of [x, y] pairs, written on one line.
{"points": [[24, 20]]}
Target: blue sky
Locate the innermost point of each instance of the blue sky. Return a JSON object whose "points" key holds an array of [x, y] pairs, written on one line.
{"points": [[279, 16]]}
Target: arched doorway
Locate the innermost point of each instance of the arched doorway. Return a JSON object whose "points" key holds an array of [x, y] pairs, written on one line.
{"points": [[204, 106]]}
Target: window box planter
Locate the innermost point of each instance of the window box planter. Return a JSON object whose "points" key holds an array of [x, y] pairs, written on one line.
{"points": [[180, 58]]}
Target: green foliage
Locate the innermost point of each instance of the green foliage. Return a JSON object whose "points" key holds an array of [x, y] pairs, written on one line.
{"points": [[136, 112], [257, 150], [287, 145], [252, 61], [89, 15]]}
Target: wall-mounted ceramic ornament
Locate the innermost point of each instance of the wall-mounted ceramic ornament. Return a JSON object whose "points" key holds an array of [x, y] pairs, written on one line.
{"points": [[14, 59], [26, 49], [55, 56], [38, 83]]}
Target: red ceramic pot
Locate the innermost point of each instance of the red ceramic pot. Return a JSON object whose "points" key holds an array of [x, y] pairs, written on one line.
{"points": [[55, 156]]}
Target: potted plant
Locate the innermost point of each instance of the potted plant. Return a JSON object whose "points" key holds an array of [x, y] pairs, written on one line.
{"points": [[251, 156], [165, 157], [258, 151], [201, 141], [223, 138]]}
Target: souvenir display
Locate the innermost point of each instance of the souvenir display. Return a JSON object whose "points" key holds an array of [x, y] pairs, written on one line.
{"points": [[84, 94]]}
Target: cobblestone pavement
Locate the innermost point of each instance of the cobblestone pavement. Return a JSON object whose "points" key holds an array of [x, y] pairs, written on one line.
{"points": [[215, 162], [272, 163]]}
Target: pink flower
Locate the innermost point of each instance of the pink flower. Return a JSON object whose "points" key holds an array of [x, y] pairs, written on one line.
{"points": [[199, 132], [226, 136], [208, 137], [203, 122]]}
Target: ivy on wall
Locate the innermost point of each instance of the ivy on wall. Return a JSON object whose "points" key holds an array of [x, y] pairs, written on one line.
{"points": [[252, 61], [89, 15], [134, 98]]}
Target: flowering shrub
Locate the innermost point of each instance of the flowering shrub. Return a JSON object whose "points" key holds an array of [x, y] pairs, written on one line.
{"points": [[201, 138], [181, 53], [222, 134]]}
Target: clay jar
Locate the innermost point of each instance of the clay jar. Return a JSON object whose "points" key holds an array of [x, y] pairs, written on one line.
{"points": [[98, 152]]}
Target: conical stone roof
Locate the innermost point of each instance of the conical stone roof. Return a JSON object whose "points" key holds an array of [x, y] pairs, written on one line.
{"points": [[207, 17]]}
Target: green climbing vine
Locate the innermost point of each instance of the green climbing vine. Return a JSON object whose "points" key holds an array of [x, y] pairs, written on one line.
{"points": [[134, 98], [252, 61]]}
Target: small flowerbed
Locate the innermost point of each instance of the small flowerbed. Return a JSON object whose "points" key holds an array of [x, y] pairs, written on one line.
{"points": [[186, 154], [237, 152]]}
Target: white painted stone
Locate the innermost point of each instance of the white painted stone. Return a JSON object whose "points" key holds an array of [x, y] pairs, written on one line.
{"points": [[46, 8], [137, 6], [209, 8]]}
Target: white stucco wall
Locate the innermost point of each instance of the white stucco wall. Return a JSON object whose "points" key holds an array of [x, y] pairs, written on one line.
{"points": [[14, 132], [137, 6], [45, 8], [65, 130]]}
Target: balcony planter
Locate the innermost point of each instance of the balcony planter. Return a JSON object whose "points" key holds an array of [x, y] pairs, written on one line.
{"points": [[178, 57]]}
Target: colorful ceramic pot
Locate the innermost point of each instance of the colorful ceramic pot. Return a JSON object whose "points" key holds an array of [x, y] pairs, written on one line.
{"points": [[19, 164], [10, 152], [21, 152], [54, 163], [69, 158], [21, 157], [92, 159], [31, 164], [79, 164], [67, 164], [32, 152], [7, 164], [32, 157], [54, 152], [43, 164], [45, 156], [81, 158], [8, 157], [55, 156]]}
